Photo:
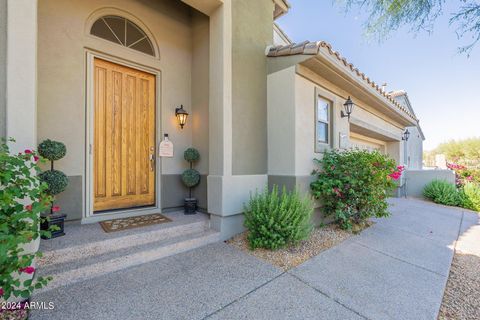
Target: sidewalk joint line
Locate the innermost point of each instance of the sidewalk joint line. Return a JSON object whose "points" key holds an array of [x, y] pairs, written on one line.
{"points": [[243, 296], [326, 295]]}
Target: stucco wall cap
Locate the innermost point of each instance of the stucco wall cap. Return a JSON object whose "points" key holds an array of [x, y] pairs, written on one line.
{"points": [[315, 48]]}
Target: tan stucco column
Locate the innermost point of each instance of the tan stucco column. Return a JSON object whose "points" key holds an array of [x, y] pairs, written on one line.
{"points": [[227, 192], [21, 88]]}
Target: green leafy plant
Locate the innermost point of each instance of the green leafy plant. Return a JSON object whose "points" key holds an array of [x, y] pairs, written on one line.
{"points": [[191, 177], [22, 199], [442, 192], [353, 185], [275, 220], [56, 180], [470, 196]]}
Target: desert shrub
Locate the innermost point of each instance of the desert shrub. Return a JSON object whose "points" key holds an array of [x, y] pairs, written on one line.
{"points": [[470, 196], [275, 220], [442, 192], [353, 185]]}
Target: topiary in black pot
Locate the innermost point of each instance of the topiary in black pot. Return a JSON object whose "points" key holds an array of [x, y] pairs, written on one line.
{"points": [[57, 181], [191, 178]]}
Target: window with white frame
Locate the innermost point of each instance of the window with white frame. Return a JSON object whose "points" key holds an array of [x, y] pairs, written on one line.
{"points": [[323, 123]]}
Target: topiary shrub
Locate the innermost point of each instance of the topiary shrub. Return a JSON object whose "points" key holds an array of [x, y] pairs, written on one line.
{"points": [[442, 192], [56, 180], [353, 185], [191, 155], [470, 196], [190, 178], [52, 150], [274, 221]]}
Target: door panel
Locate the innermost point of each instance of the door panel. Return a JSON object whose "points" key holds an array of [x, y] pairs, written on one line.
{"points": [[124, 137]]}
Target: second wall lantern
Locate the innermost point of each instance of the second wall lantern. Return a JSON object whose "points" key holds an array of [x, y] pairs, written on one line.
{"points": [[348, 105], [181, 115]]}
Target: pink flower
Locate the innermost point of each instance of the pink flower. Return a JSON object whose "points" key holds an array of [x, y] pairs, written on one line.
{"points": [[400, 168], [35, 158], [469, 178], [55, 208], [28, 151], [28, 207], [395, 175], [1, 292], [28, 270]]}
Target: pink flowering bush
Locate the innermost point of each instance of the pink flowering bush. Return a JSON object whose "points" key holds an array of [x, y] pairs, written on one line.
{"points": [[353, 185], [19, 222]]}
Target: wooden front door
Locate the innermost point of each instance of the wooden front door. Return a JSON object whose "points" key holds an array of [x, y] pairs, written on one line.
{"points": [[124, 137]]}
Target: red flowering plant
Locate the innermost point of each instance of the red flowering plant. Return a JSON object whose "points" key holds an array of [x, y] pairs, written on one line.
{"points": [[22, 199], [353, 185], [464, 175]]}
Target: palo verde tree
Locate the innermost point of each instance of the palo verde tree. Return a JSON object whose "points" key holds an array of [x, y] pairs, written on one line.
{"points": [[387, 16]]}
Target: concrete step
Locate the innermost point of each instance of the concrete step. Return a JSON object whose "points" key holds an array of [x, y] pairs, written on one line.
{"points": [[101, 261], [88, 249]]}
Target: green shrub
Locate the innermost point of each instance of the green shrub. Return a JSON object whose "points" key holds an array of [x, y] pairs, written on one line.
{"points": [[190, 178], [22, 199], [470, 196], [56, 180], [353, 185], [52, 150], [276, 220], [442, 192], [191, 155]]}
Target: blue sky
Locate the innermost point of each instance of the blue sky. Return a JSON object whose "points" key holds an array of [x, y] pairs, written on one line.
{"points": [[443, 86]]}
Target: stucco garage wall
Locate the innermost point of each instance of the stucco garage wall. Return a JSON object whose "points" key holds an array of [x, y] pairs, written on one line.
{"points": [[252, 22], [62, 43]]}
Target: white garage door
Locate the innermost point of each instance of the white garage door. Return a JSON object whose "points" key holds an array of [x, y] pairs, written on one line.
{"points": [[358, 141]]}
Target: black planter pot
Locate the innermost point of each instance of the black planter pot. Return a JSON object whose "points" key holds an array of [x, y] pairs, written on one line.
{"points": [[55, 220], [190, 206]]}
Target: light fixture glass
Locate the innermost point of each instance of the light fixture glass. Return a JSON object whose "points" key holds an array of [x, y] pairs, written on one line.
{"points": [[181, 115], [348, 105]]}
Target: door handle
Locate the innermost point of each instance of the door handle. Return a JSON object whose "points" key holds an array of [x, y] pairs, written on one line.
{"points": [[152, 159]]}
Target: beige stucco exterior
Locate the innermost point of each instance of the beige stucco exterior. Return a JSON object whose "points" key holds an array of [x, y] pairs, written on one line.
{"points": [[252, 117]]}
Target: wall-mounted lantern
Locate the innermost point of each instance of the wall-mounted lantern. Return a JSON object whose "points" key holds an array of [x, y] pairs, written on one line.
{"points": [[406, 135], [181, 115], [348, 105]]}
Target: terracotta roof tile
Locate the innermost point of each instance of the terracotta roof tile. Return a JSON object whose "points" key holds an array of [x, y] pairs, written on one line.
{"points": [[314, 48]]}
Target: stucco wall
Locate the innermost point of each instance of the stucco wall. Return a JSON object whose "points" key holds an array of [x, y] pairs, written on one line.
{"points": [[200, 87], [414, 147], [252, 22], [416, 180], [281, 115], [3, 64]]}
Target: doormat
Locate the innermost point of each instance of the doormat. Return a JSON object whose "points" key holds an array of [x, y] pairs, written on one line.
{"points": [[133, 222]]}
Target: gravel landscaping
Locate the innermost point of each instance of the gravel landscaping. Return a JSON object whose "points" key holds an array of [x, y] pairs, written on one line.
{"points": [[320, 239], [461, 300]]}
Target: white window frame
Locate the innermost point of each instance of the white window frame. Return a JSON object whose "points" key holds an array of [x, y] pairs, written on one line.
{"points": [[321, 146]]}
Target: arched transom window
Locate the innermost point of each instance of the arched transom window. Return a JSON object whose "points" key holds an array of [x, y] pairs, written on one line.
{"points": [[124, 32]]}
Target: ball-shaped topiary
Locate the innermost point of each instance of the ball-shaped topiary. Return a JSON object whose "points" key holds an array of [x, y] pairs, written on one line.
{"points": [[52, 150], [56, 180], [191, 178], [191, 155]]}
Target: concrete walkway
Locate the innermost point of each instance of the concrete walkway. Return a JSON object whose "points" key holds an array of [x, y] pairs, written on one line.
{"points": [[396, 269]]}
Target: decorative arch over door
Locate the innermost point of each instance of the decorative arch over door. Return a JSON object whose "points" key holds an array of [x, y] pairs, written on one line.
{"points": [[124, 32]]}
